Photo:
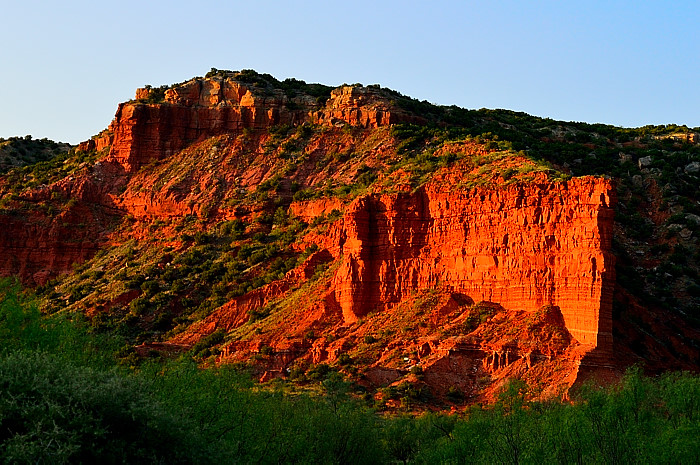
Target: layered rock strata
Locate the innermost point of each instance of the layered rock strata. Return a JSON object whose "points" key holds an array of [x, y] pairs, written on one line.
{"points": [[202, 108], [37, 248], [522, 246]]}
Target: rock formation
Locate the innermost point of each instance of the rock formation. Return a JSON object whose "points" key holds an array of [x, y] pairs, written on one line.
{"points": [[522, 246], [37, 247], [203, 108], [510, 277]]}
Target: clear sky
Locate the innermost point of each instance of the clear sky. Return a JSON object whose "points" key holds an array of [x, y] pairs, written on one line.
{"points": [[65, 65]]}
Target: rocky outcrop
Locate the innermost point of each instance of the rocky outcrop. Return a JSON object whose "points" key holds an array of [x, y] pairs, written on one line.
{"points": [[50, 228], [310, 209], [472, 284], [364, 107], [202, 108], [198, 109], [440, 251], [522, 246], [98, 143]]}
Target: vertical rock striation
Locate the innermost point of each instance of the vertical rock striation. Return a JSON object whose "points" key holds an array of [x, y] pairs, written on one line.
{"points": [[522, 246]]}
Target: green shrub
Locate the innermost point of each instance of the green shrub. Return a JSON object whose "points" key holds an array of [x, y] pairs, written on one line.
{"points": [[280, 217], [267, 351], [217, 337], [318, 372], [303, 194], [455, 394], [54, 412], [150, 288], [235, 228]]}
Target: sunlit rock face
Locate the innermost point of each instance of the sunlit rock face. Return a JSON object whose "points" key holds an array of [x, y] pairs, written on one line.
{"points": [[522, 246]]}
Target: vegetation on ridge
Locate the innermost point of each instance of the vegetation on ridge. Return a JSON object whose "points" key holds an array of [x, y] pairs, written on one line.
{"points": [[263, 83], [22, 151]]}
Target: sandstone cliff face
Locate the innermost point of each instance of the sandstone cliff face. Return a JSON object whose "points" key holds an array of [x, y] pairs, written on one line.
{"points": [[414, 264], [363, 107], [53, 227], [203, 108], [195, 110], [522, 246]]}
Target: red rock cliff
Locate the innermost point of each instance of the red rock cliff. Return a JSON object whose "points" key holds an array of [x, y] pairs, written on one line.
{"points": [[144, 132], [37, 248], [201, 108], [522, 246], [363, 107]]}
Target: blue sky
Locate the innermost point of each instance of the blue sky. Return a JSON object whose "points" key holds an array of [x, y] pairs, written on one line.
{"points": [[66, 65]]}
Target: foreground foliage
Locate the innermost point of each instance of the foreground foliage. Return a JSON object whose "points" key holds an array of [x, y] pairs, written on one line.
{"points": [[62, 401]]}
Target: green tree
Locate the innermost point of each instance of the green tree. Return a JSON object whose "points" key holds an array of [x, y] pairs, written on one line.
{"points": [[54, 412]]}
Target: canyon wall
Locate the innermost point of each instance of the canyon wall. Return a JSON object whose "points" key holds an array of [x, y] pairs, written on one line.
{"points": [[202, 108], [48, 229], [522, 246], [364, 107]]}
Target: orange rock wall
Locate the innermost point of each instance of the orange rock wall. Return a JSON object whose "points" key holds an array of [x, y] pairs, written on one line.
{"points": [[37, 249], [202, 108], [143, 133], [522, 246]]}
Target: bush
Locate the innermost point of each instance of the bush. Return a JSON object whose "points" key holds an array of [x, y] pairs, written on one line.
{"points": [[150, 288], [319, 372], [54, 412], [217, 337], [303, 194], [235, 228], [280, 217]]}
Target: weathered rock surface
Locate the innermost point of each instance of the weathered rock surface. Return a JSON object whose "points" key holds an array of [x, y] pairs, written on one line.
{"points": [[53, 227], [523, 246], [539, 252], [38, 248], [201, 108], [363, 107]]}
